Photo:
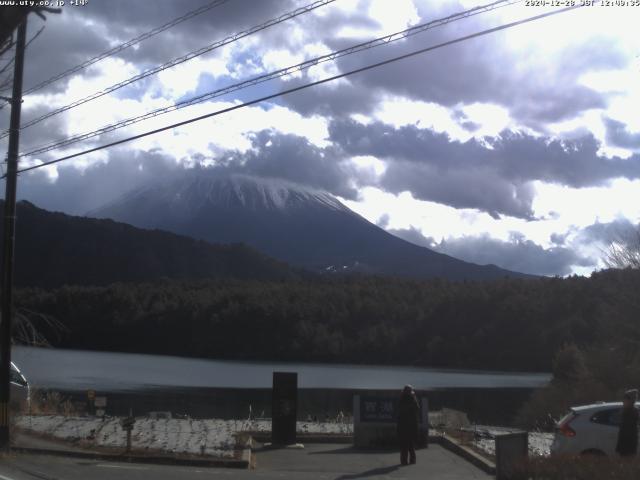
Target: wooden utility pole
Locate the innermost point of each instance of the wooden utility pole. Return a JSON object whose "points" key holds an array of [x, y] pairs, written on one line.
{"points": [[9, 239]]}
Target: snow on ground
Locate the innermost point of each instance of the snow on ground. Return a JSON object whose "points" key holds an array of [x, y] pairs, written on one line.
{"points": [[167, 435], [305, 427], [218, 437], [484, 439]]}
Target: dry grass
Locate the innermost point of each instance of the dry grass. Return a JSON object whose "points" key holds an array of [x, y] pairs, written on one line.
{"points": [[577, 468], [47, 402]]}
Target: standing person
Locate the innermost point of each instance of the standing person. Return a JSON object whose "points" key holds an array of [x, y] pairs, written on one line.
{"points": [[408, 419], [627, 445]]}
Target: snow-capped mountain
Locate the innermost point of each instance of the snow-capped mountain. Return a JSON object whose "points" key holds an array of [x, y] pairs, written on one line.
{"points": [[300, 225]]}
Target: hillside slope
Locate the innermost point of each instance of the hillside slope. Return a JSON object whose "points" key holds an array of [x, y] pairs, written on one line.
{"points": [[54, 249]]}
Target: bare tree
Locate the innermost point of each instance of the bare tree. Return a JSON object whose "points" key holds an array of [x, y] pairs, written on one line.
{"points": [[28, 326], [624, 252]]}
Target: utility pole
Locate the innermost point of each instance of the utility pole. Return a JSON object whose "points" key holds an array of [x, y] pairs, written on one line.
{"points": [[9, 239]]}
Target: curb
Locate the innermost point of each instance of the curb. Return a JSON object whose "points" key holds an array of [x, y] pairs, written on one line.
{"points": [[305, 438], [242, 462], [469, 455]]}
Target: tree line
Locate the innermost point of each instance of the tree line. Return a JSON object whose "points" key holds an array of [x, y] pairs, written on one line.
{"points": [[508, 324]]}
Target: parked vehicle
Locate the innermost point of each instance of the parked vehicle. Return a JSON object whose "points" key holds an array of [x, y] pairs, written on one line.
{"points": [[20, 390], [589, 429]]}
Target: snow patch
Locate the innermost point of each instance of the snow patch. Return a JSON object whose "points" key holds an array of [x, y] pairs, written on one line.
{"points": [[484, 440], [199, 189], [213, 437]]}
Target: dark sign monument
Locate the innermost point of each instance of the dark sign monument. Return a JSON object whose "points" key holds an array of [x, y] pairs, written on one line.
{"points": [[375, 418], [284, 408]]}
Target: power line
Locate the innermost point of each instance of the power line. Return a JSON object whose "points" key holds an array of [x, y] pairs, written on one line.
{"points": [[130, 43], [380, 41], [10, 62], [177, 61], [303, 87], [7, 65]]}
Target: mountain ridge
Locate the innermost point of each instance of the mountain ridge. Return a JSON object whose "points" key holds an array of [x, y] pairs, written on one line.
{"points": [[53, 249], [302, 226]]}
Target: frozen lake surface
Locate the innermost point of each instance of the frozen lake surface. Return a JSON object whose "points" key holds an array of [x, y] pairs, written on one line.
{"points": [[72, 370]]}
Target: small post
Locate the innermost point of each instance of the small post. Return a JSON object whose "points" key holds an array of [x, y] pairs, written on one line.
{"points": [[424, 421], [91, 402], [127, 425], [128, 440]]}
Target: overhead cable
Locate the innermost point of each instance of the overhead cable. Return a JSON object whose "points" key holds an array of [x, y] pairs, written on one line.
{"points": [[125, 45], [302, 87], [377, 42], [178, 61]]}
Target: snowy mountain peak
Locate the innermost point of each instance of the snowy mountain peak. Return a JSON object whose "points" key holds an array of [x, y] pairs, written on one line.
{"points": [[199, 189], [302, 226]]}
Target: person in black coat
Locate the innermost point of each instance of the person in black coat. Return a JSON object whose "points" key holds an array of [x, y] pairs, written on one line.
{"points": [[408, 419], [628, 434]]}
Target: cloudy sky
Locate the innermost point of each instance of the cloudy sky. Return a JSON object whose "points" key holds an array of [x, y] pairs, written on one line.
{"points": [[519, 148]]}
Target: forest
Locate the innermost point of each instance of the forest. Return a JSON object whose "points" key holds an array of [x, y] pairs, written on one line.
{"points": [[508, 324]]}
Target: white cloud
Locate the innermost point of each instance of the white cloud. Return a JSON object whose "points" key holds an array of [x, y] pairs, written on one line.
{"points": [[393, 16], [369, 169], [563, 210], [282, 58], [228, 132], [492, 119], [398, 112], [585, 206], [98, 77], [182, 79]]}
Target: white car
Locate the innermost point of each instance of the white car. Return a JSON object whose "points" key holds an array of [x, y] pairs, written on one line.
{"points": [[589, 429], [20, 391]]}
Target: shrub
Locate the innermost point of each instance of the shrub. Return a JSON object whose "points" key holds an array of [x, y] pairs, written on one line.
{"points": [[48, 402], [587, 467]]}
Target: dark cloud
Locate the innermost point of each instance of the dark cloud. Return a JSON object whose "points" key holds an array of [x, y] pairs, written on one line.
{"points": [[619, 136], [272, 155], [558, 239], [535, 90], [76, 192], [413, 235], [460, 188], [383, 221], [64, 43], [80, 33], [496, 179], [481, 70], [42, 133], [512, 155], [294, 158], [620, 230], [517, 254], [330, 100]]}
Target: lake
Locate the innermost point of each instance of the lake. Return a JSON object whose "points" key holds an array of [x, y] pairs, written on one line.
{"points": [[77, 370]]}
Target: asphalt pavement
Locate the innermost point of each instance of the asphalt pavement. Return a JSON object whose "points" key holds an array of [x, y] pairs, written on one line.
{"points": [[316, 461]]}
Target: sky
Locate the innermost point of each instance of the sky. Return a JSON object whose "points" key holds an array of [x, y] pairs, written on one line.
{"points": [[519, 148]]}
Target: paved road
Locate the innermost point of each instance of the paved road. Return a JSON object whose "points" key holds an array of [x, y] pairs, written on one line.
{"points": [[319, 461]]}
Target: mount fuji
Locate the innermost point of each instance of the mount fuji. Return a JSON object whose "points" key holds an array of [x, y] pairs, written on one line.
{"points": [[300, 225]]}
